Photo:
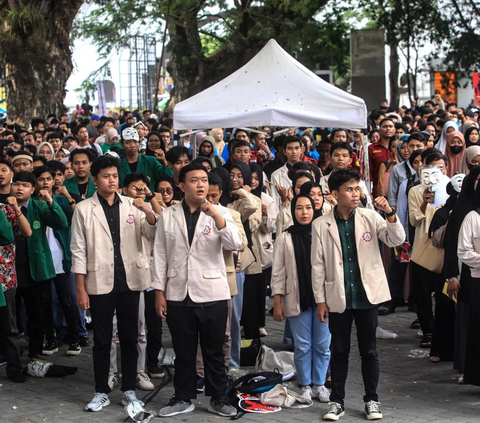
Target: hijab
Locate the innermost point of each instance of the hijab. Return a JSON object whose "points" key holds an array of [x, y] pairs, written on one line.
{"points": [[257, 192], [246, 172], [464, 205], [442, 144], [316, 170], [467, 136], [49, 145], [468, 124], [305, 190], [201, 159], [302, 247], [400, 158], [150, 152], [300, 175], [110, 135], [227, 185], [454, 160], [470, 153]]}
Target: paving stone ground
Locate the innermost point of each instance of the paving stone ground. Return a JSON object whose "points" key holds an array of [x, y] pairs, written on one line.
{"points": [[411, 389]]}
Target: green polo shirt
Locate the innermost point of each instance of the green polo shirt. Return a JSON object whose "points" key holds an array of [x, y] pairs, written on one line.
{"points": [[148, 165], [355, 295]]}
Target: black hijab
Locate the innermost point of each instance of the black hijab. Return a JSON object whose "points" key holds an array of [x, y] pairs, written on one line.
{"points": [[246, 172], [302, 247], [316, 170], [149, 152], [300, 175], [305, 190], [258, 170], [467, 200], [227, 185], [201, 159], [467, 136]]}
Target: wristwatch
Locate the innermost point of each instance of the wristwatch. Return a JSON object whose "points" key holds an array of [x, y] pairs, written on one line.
{"points": [[449, 280], [150, 197], [390, 214], [71, 203]]}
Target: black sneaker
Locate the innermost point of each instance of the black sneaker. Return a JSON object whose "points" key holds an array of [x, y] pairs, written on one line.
{"points": [[74, 349], [50, 348], [336, 411], [84, 341], [200, 384], [3, 360], [372, 410], [155, 372], [222, 407]]}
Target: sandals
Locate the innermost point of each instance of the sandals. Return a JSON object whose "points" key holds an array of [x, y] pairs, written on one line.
{"points": [[435, 359], [426, 341], [415, 324]]}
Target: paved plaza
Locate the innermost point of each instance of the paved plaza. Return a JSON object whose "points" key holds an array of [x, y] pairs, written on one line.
{"points": [[411, 389]]}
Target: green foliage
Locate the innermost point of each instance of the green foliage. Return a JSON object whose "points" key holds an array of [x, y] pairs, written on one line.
{"points": [[23, 23], [88, 88]]}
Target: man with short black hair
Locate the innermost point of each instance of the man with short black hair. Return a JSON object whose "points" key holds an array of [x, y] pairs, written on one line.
{"points": [[81, 133], [294, 149], [379, 152], [193, 286], [6, 175], [111, 268], [349, 282], [177, 158], [81, 184]]}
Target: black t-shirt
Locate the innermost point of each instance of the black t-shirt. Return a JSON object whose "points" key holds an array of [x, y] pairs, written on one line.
{"points": [[82, 189], [3, 198], [133, 166]]}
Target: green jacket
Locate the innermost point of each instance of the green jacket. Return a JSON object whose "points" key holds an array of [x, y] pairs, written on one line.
{"points": [[40, 215], [106, 147], [148, 165], [6, 231], [72, 186]]}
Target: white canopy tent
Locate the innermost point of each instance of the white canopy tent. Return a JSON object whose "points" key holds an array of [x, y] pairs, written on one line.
{"points": [[273, 89]]}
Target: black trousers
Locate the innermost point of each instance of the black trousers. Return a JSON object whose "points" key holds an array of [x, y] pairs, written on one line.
{"points": [[154, 329], [102, 308], [425, 283], [33, 298], [186, 324], [340, 325], [9, 341], [396, 281], [64, 294], [253, 305]]}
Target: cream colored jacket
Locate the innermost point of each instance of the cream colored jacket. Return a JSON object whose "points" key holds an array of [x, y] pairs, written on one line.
{"points": [[469, 243], [327, 258], [284, 275], [198, 269], [92, 246]]}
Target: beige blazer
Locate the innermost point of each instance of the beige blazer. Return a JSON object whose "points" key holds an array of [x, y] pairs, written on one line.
{"points": [[92, 246], [327, 258], [284, 275], [199, 269], [262, 237], [228, 255]]}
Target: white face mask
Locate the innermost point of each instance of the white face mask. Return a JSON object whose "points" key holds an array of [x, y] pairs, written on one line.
{"points": [[430, 177], [457, 181]]}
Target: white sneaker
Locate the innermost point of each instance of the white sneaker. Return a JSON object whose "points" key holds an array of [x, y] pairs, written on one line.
{"points": [[322, 393], [98, 402], [144, 383], [129, 397], [263, 332], [307, 392], [112, 380]]}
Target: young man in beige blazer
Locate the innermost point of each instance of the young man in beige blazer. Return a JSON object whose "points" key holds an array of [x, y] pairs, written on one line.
{"points": [[192, 289], [111, 269], [349, 282]]}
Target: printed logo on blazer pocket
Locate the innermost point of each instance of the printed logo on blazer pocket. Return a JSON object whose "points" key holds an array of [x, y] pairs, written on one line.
{"points": [[367, 236], [206, 230], [130, 219]]}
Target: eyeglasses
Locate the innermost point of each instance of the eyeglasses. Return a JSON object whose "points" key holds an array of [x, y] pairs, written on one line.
{"points": [[165, 190]]}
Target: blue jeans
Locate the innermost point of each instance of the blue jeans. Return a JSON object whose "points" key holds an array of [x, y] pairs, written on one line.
{"points": [[237, 307], [59, 318], [311, 347]]}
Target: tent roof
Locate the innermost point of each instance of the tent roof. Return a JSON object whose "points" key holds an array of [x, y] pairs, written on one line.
{"points": [[273, 89]]}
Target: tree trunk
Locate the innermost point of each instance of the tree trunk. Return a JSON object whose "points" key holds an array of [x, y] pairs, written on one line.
{"points": [[394, 75], [37, 57]]}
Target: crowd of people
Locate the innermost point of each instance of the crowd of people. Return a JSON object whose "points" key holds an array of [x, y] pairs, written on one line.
{"points": [[120, 222]]}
